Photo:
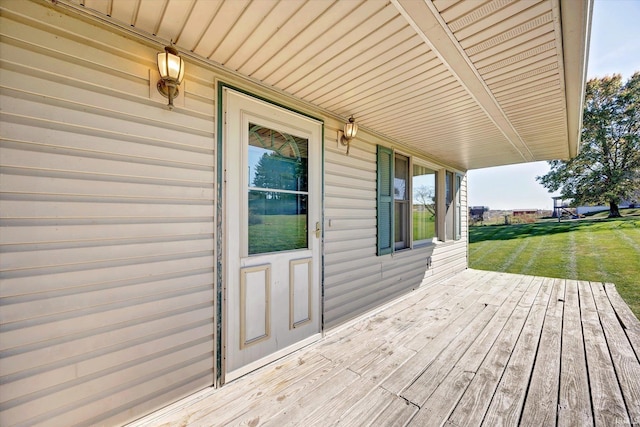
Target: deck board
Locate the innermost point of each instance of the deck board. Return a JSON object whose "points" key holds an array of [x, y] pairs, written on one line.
{"points": [[608, 403], [541, 405], [574, 404], [624, 359], [625, 315], [509, 398], [473, 405], [480, 348]]}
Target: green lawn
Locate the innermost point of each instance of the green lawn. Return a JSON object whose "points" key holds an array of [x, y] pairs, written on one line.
{"points": [[595, 249], [275, 233], [424, 225]]}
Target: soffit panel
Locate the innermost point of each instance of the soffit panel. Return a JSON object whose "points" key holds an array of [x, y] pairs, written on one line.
{"points": [[513, 47], [452, 78]]}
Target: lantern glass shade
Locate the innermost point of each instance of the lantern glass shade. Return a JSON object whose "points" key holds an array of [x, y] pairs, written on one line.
{"points": [[350, 129], [170, 66]]}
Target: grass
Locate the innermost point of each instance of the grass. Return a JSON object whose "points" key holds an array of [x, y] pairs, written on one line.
{"points": [[275, 233], [594, 249], [424, 225]]}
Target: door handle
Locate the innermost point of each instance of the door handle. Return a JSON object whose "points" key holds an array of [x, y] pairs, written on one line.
{"points": [[318, 229]]}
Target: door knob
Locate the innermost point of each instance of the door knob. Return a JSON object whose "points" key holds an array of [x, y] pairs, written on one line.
{"points": [[318, 230]]}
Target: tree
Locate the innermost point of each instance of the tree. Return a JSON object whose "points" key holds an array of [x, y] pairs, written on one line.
{"points": [[607, 168], [426, 196]]}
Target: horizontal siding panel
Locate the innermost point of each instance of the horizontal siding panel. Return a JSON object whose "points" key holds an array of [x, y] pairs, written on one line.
{"points": [[20, 282], [357, 212], [363, 302], [46, 257], [80, 162], [110, 389], [350, 182], [83, 231], [105, 141], [68, 207], [96, 316], [21, 181], [335, 205], [50, 376], [346, 246], [61, 349], [95, 118], [339, 195], [337, 234]]}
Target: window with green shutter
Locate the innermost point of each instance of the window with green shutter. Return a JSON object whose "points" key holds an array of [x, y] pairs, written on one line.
{"points": [[385, 200]]}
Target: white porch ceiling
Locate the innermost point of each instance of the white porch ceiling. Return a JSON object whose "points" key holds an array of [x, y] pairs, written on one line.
{"points": [[473, 83]]}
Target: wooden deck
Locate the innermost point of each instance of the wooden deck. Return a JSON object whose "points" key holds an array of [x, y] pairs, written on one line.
{"points": [[482, 348]]}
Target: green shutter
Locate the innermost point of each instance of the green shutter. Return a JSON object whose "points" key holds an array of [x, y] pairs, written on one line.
{"points": [[385, 200]]}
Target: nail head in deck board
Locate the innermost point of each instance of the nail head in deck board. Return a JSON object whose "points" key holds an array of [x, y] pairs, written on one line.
{"points": [[608, 404], [541, 403], [574, 405], [509, 398], [624, 359]]}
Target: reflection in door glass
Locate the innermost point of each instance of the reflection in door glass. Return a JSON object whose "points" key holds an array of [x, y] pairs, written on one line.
{"points": [[278, 191]]}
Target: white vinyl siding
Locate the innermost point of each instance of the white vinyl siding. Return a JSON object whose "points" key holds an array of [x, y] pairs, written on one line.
{"points": [[356, 278], [107, 226]]}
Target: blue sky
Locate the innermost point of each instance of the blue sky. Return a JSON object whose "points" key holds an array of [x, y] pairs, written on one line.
{"points": [[615, 48]]}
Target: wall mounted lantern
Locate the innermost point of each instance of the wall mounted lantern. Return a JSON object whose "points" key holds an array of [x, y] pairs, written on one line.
{"points": [[171, 69], [350, 131]]}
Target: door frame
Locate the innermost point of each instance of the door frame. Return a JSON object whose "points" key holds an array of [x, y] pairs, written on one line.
{"points": [[220, 230]]}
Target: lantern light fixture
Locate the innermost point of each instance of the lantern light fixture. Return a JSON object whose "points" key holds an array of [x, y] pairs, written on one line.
{"points": [[171, 69], [349, 132]]}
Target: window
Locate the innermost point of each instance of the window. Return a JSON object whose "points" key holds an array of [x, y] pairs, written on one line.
{"points": [[449, 206], [406, 202], [402, 204], [453, 207], [424, 204]]}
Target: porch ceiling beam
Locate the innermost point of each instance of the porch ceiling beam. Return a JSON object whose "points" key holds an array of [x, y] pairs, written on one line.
{"points": [[425, 19]]}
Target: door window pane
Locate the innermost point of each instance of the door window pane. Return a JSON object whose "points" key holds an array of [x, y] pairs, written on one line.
{"points": [[424, 204], [278, 191], [277, 222], [277, 160]]}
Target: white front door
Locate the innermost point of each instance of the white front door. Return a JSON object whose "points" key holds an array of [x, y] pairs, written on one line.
{"points": [[272, 222]]}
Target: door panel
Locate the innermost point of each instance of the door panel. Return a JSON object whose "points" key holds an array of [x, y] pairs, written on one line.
{"points": [[272, 205]]}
